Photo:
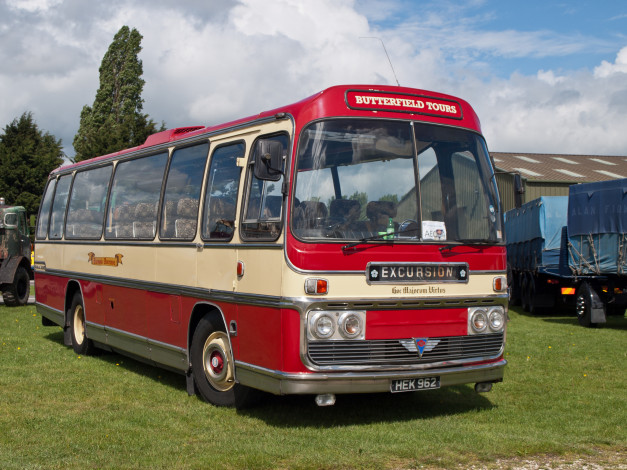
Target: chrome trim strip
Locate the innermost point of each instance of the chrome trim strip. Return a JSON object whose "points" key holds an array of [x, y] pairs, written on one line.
{"points": [[282, 383]]}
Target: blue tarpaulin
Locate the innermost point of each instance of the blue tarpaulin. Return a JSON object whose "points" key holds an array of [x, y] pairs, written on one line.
{"points": [[533, 232], [597, 227]]}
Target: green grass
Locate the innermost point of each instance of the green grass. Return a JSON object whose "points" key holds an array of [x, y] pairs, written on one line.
{"points": [[563, 395]]}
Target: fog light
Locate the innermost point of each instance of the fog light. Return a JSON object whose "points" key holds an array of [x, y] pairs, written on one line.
{"points": [[327, 399]]}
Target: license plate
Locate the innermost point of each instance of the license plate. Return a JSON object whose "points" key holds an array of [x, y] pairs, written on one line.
{"points": [[411, 385]]}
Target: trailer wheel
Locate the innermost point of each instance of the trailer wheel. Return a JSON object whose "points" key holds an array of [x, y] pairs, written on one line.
{"points": [[17, 293], [583, 306], [80, 342]]}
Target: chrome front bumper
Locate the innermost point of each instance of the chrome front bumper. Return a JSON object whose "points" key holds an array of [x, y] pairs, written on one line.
{"points": [[282, 383]]}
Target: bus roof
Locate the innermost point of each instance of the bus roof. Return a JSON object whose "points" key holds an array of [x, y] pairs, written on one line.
{"points": [[381, 101]]}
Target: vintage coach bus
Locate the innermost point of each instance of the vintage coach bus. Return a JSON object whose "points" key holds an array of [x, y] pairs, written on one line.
{"points": [[351, 242]]}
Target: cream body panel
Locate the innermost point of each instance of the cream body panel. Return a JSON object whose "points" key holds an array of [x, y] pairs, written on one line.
{"points": [[176, 265], [217, 268], [262, 273]]}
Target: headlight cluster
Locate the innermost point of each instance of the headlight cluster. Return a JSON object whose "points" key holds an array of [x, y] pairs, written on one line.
{"points": [[486, 320], [336, 325]]}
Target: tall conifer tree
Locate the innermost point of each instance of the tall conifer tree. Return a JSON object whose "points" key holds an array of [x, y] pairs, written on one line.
{"points": [[115, 121]]}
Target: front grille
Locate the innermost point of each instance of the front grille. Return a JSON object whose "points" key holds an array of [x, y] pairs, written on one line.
{"points": [[395, 352]]}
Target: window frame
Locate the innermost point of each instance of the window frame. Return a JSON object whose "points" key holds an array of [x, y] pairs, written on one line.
{"points": [[105, 207], [277, 222], [205, 209]]}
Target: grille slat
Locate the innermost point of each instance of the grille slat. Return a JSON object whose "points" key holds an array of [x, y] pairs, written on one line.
{"points": [[393, 352]]}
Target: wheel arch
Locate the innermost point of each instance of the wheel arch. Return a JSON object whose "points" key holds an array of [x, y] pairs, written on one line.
{"points": [[72, 287], [200, 310]]}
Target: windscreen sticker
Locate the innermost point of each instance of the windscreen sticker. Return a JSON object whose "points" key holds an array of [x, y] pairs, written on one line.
{"points": [[433, 230]]}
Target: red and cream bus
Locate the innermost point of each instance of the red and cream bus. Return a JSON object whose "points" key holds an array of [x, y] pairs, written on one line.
{"points": [[348, 243]]}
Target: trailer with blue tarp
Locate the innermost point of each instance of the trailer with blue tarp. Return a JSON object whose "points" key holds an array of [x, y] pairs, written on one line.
{"points": [[571, 251]]}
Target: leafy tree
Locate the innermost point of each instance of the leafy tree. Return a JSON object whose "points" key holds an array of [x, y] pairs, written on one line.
{"points": [[27, 156], [115, 121]]}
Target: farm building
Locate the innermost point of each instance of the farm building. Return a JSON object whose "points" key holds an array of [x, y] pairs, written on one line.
{"points": [[552, 174]]}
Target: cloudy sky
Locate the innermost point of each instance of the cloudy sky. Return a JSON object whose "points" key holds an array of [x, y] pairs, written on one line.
{"points": [[544, 76]]}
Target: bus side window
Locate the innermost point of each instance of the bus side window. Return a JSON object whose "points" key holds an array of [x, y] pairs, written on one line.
{"points": [[134, 198], [87, 203], [57, 217], [179, 216], [221, 195], [44, 211], [264, 205]]}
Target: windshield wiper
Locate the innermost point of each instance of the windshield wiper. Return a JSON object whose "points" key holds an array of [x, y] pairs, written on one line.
{"points": [[381, 236], [468, 242]]}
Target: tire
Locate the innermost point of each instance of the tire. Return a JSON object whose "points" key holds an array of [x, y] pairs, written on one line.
{"points": [[524, 291], [80, 342], [212, 363], [583, 306], [16, 294]]}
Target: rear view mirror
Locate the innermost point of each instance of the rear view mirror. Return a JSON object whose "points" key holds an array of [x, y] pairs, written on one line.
{"points": [[268, 160]]}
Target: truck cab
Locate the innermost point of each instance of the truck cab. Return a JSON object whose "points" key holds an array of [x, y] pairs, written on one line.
{"points": [[15, 255]]}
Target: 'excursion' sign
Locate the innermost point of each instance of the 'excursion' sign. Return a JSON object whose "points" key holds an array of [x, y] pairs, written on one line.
{"points": [[399, 273], [403, 103]]}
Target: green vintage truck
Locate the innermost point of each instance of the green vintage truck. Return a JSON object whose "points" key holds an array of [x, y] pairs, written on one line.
{"points": [[15, 255]]}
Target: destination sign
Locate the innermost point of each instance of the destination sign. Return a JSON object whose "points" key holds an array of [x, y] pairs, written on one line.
{"points": [[415, 273], [403, 103]]}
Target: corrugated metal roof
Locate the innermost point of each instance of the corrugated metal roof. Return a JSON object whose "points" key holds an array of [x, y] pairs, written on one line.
{"points": [[562, 168]]}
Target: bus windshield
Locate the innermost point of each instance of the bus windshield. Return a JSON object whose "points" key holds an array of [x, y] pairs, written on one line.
{"points": [[359, 179]]}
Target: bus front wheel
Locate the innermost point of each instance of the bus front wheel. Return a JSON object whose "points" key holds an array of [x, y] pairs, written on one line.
{"points": [[212, 364]]}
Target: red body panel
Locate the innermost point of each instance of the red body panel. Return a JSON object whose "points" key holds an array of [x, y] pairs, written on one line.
{"points": [[330, 257], [416, 323]]}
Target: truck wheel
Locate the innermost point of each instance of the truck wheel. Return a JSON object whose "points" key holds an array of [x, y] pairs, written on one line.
{"points": [[80, 342], [212, 363], [16, 294], [583, 306], [524, 291]]}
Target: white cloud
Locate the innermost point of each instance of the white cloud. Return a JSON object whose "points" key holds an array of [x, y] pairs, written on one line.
{"points": [[207, 62], [619, 66]]}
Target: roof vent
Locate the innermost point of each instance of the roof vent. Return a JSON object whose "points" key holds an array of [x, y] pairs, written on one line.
{"points": [[169, 135]]}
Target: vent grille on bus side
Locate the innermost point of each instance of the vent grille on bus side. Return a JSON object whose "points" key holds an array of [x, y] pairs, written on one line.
{"points": [[392, 352]]}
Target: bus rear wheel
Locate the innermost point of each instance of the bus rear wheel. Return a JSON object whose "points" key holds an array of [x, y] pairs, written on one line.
{"points": [[80, 342], [212, 364]]}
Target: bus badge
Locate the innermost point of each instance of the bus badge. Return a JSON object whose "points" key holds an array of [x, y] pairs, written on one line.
{"points": [[419, 345]]}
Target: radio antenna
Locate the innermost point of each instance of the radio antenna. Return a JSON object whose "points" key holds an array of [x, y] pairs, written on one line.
{"points": [[386, 54]]}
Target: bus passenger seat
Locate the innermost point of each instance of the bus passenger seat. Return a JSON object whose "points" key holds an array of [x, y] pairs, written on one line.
{"points": [[123, 217], [145, 222], [379, 213], [220, 222], [311, 214], [186, 213], [344, 210]]}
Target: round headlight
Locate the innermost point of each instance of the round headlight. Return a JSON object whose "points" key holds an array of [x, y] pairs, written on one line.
{"points": [[497, 320], [323, 326], [479, 321], [350, 326]]}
